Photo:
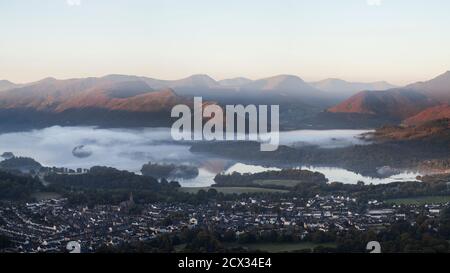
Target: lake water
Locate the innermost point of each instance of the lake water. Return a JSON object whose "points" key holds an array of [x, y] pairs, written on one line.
{"points": [[129, 149]]}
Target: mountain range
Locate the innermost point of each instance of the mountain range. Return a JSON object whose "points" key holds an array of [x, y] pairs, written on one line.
{"points": [[394, 103], [122, 97], [344, 89], [437, 88], [126, 100], [51, 95], [413, 104], [285, 85]]}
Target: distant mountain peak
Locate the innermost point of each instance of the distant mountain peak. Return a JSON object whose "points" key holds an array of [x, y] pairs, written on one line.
{"points": [[234, 82], [344, 89], [201, 76], [5, 82], [444, 75], [196, 80], [394, 103], [333, 80], [285, 77], [281, 82], [124, 89], [238, 79], [437, 88], [48, 79], [118, 76], [5, 85]]}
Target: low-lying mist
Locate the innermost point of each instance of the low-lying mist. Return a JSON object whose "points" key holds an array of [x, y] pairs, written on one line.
{"points": [[129, 149], [119, 148]]}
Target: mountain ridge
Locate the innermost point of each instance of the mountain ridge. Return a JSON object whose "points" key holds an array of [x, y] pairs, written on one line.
{"points": [[394, 103], [345, 89], [437, 88], [298, 100], [430, 114], [415, 103], [5, 85]]}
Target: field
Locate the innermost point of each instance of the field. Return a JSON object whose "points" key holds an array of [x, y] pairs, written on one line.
{"points": [[282, 247], [283, 183], [271, 247], [231, 190], [40, 196], [420, 200]]}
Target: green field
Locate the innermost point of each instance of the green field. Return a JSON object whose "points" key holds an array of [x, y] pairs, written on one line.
{"points": [[232, 190], [282, 247], [271, 247], [40, 196], [420, 200], [283, 183]]}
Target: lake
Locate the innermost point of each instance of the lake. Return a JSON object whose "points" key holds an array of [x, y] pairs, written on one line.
{"points": [[129, 149]]}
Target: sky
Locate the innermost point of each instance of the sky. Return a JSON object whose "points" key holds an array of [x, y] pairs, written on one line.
{"points": [[400, 41]]}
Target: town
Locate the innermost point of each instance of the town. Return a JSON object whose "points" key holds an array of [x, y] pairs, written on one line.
{"points": [[49, 225]]}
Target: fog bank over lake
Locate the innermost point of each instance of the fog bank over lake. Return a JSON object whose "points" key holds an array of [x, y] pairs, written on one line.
{"points": [[129, 149]]}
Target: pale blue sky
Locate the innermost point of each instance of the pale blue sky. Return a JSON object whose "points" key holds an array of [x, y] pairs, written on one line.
{"points": [[400, 40]]}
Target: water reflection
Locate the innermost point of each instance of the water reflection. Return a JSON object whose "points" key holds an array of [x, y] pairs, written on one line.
{"points": [[129, 149], [206, 178]]}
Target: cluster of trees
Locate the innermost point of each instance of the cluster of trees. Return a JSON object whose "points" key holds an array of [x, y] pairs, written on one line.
{"points": [[5, 242], [240, 180], [107, 178], [21, 164], [15, 187], [187, 241], [94, 197], [169, 171], [104, 185]]}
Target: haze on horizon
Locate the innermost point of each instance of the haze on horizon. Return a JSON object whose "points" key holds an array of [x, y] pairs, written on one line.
{"points": [[400, 41]]}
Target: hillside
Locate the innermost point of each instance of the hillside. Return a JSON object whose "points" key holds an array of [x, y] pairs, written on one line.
{"points": [[108, 101], [438, 130], [285, 85], [344, 89], [437, 88], [235, 82], [126, 100], [414, 104], [429, 114], [151, 102], [139, 101], [5, 85], [394, 103], [51, 95]]}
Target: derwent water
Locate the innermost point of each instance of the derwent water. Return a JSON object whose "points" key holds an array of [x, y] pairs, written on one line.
{"points": [[129, 149]]}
